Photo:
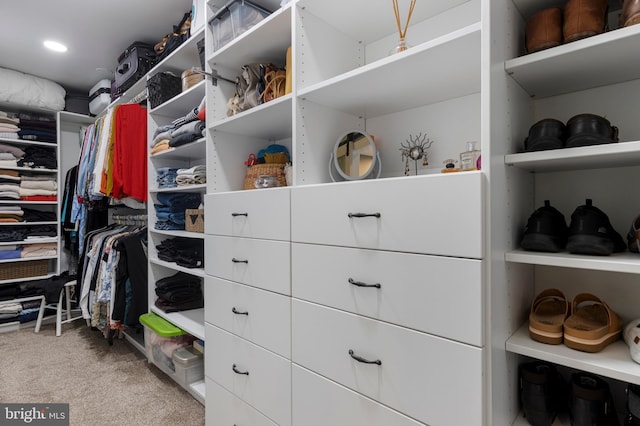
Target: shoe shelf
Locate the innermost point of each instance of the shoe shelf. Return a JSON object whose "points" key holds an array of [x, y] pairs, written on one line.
{"points": [[619, 154], [604, 59], [198, 272], [617, 262], [370, 91], [613, 361]]}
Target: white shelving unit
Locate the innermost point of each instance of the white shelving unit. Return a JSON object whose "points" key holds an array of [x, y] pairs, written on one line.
{"points": [[593, 75], [184, 156], [66, 148]]}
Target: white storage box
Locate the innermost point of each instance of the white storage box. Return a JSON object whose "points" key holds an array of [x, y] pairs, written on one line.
{"points": [[100, 96], [189, 365], [233, 19]]}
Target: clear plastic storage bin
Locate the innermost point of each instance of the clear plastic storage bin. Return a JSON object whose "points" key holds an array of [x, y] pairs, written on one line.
{"points": [[161, 339], [233, 19]]}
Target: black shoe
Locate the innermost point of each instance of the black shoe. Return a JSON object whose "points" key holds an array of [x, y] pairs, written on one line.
{"points": [[542, 392], [590, 232], [590, 402], [546, 230], [546, 134], [590, 129], [633, 405]]}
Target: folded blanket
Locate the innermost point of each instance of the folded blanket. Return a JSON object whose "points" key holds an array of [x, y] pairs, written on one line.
{"points": [[17, 152], [25, 192], [50, 185]]}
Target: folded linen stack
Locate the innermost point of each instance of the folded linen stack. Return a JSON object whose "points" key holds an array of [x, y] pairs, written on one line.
{"points": [[11, 251], [37, 127], [9, 155], [35, 186], [8, 126], [11, 214], [39, 250], [180, 131], [196, 175]]}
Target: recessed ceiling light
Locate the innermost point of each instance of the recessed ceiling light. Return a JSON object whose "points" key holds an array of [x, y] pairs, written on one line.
{"points": [[55, 46]]}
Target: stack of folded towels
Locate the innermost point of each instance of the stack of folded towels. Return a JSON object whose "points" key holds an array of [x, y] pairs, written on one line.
{"points": [[9, 155], [195, 175]]}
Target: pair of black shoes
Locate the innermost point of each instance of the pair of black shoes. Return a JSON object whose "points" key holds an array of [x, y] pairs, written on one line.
{"points": [[544, 394], [590, 231], [580, 130]]}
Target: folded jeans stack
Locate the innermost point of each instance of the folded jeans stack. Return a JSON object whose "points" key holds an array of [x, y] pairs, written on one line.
{"points": [[170, 210], [166, 177]]}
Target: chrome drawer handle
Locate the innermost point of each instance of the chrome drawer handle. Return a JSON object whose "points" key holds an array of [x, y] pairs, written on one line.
{"points": [[363, 360], [361, 284], [364, 215], [235, 370], [239, 214], [237, 312], [234, 260]]}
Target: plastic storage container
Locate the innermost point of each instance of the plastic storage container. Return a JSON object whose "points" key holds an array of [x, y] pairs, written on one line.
{"points": [[233, 19], [100, 96], [161, 339], [189, 365]]}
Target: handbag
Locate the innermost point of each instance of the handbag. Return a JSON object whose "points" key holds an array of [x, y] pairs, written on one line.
{"points": [[250, 85]]}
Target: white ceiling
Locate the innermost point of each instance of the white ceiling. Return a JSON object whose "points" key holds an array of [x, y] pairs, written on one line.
{"points": [[95, 31]]}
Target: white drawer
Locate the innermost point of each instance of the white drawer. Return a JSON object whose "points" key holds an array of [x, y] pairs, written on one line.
{"points": [[260, 316], [321, 402], [259, 263], [425, 377], [263, 213], [416, 291], [266, 387], [434, 214], [222, 408]]}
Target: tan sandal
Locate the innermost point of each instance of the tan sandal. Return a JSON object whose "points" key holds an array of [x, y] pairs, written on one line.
{"points": [[591, 327], [548, 313]]}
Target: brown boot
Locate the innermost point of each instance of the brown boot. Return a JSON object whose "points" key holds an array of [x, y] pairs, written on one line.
{"points": [[544, 30], [584, 18], [630, 13]]}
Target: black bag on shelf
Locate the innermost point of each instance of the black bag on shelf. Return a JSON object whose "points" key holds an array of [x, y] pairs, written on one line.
{"points": [[162, 87], [173, 40], [133, 64]]}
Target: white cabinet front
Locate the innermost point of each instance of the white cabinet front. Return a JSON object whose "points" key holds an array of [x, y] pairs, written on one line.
{"points": [[259, 213], [434, 380], [411, 290], [320, 402], [224, 409], [256, 375], [260, 263], [434, 214], [259, 316]]}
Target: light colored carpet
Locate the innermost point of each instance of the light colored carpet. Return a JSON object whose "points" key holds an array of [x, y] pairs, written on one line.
{"points": [[103, 385]]}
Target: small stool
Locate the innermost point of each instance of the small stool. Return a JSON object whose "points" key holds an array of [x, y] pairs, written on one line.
{"points": [[65, 293]]}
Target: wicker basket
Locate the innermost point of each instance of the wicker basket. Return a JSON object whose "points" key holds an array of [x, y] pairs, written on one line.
{"points": [[30, 268], [273, 169]]}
